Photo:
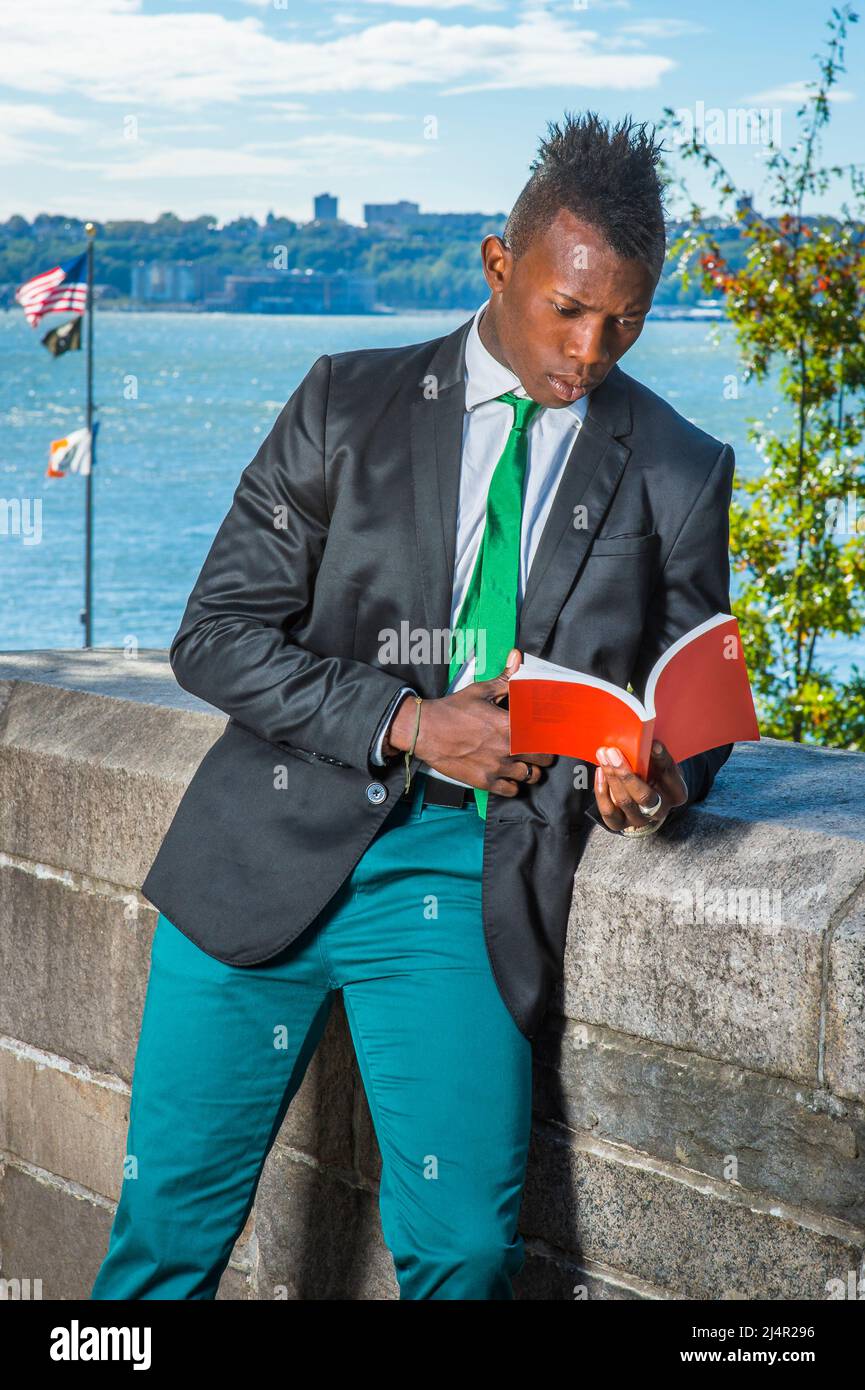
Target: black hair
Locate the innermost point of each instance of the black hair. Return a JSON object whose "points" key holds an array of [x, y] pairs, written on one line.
{"points": [[607, 177]]}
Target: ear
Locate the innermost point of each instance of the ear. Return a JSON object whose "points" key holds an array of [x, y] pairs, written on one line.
{"points": [[497, 259]]}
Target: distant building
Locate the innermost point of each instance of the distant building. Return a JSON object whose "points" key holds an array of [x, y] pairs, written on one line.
{"points": [[171, 282], [391, 219], [461, 221], [297, 292], [324, 208], [388, 213]]}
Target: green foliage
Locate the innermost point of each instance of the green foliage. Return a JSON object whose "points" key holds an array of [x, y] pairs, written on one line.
{"points": [[435, 265], [432, 266], [797, 304]]}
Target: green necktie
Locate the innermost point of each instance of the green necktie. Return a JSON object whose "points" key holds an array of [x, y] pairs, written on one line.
{"points": [[489, 608]]}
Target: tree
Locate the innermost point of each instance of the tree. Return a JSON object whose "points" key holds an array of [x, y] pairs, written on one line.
{"points": [[798, 304]]}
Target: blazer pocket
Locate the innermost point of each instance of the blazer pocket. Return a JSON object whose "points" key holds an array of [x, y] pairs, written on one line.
{"points": [[303, 754], [306, 756], [624, 545]]}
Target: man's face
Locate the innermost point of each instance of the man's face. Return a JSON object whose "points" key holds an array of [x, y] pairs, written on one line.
{"points": [[565, 311]]}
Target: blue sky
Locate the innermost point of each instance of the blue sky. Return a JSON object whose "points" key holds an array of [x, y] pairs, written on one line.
{"points": [[130, 108]]}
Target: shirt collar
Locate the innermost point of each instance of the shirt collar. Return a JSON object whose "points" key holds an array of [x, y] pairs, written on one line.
{"points": [[486, 378]]}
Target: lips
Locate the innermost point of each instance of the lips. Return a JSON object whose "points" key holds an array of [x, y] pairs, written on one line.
{"points": [[568, 388]]}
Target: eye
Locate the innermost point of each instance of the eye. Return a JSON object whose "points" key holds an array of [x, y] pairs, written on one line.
{"points": [[564, 310], [629, 323]]}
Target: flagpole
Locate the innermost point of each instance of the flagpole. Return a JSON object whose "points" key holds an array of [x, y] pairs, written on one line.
{"points": [[87, 613]]}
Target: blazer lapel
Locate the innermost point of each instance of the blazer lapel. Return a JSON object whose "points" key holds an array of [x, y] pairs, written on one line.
{"points": [[436, 436], [594, 467]]}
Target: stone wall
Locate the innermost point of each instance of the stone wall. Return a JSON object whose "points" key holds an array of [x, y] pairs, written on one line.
{"points": [[699, 1099]]}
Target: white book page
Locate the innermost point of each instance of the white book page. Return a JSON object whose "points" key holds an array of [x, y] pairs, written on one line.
{"points": [[535, 668]]}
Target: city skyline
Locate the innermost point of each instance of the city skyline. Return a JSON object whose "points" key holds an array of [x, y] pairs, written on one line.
{"points": [[236, 268]]}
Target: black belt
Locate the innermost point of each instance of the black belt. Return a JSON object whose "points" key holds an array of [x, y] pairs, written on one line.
{"points": [[440, 793]]}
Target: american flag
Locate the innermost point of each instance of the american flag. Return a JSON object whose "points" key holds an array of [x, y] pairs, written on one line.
{"points": [[64, 287]]}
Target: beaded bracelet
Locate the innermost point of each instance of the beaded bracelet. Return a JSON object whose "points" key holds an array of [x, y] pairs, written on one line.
{"points": [[409, 752]]}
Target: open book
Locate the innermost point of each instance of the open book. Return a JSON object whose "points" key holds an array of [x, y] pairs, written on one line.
{"points": [[697, 697]]}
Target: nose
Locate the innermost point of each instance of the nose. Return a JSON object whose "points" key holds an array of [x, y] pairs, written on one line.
{"points": [[585, 345]]}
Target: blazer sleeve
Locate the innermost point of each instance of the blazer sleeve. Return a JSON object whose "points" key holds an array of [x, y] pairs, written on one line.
{"points": [[693, 586], [234, 647]]}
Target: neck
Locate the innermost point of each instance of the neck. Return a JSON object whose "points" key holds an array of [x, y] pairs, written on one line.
{"points": [[488, 335]]}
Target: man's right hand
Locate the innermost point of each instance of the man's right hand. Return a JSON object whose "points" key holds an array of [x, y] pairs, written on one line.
{"points": [[466, 736]]}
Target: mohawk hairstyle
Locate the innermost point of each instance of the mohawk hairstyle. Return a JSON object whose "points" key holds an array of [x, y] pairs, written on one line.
{"points": [[606, 177]]}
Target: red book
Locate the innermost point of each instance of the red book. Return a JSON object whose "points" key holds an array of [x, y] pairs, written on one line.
{"points": [[697, 696]]}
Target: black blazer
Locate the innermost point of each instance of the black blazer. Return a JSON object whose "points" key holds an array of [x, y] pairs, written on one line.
{"points": [[344, 524]]}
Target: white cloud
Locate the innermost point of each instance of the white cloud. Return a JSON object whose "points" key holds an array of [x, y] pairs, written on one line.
{"points": [[662, 28], [20, 121], [434, 5], [540, 52], [186, 60], [793, 93], [375, 117], [338, 154], [150, 127], [286, 111], [23, 115]]}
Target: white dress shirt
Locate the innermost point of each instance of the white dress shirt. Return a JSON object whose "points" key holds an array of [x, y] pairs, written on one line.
{"points": [[486, 425]]}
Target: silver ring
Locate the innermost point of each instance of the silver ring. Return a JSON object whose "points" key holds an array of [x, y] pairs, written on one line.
{"points": [[528, 768], [650, 810]]}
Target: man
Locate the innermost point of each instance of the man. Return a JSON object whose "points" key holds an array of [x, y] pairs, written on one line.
{"points": [[507, 485]]}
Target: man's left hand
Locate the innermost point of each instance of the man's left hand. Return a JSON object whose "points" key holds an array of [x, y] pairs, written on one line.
{"points": [[619, 792]]}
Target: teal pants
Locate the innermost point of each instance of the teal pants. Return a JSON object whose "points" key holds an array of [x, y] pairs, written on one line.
{"points": [[447, 1074]]}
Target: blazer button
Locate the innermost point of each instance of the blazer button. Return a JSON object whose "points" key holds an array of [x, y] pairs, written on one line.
{"points": [[376, 793]]}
